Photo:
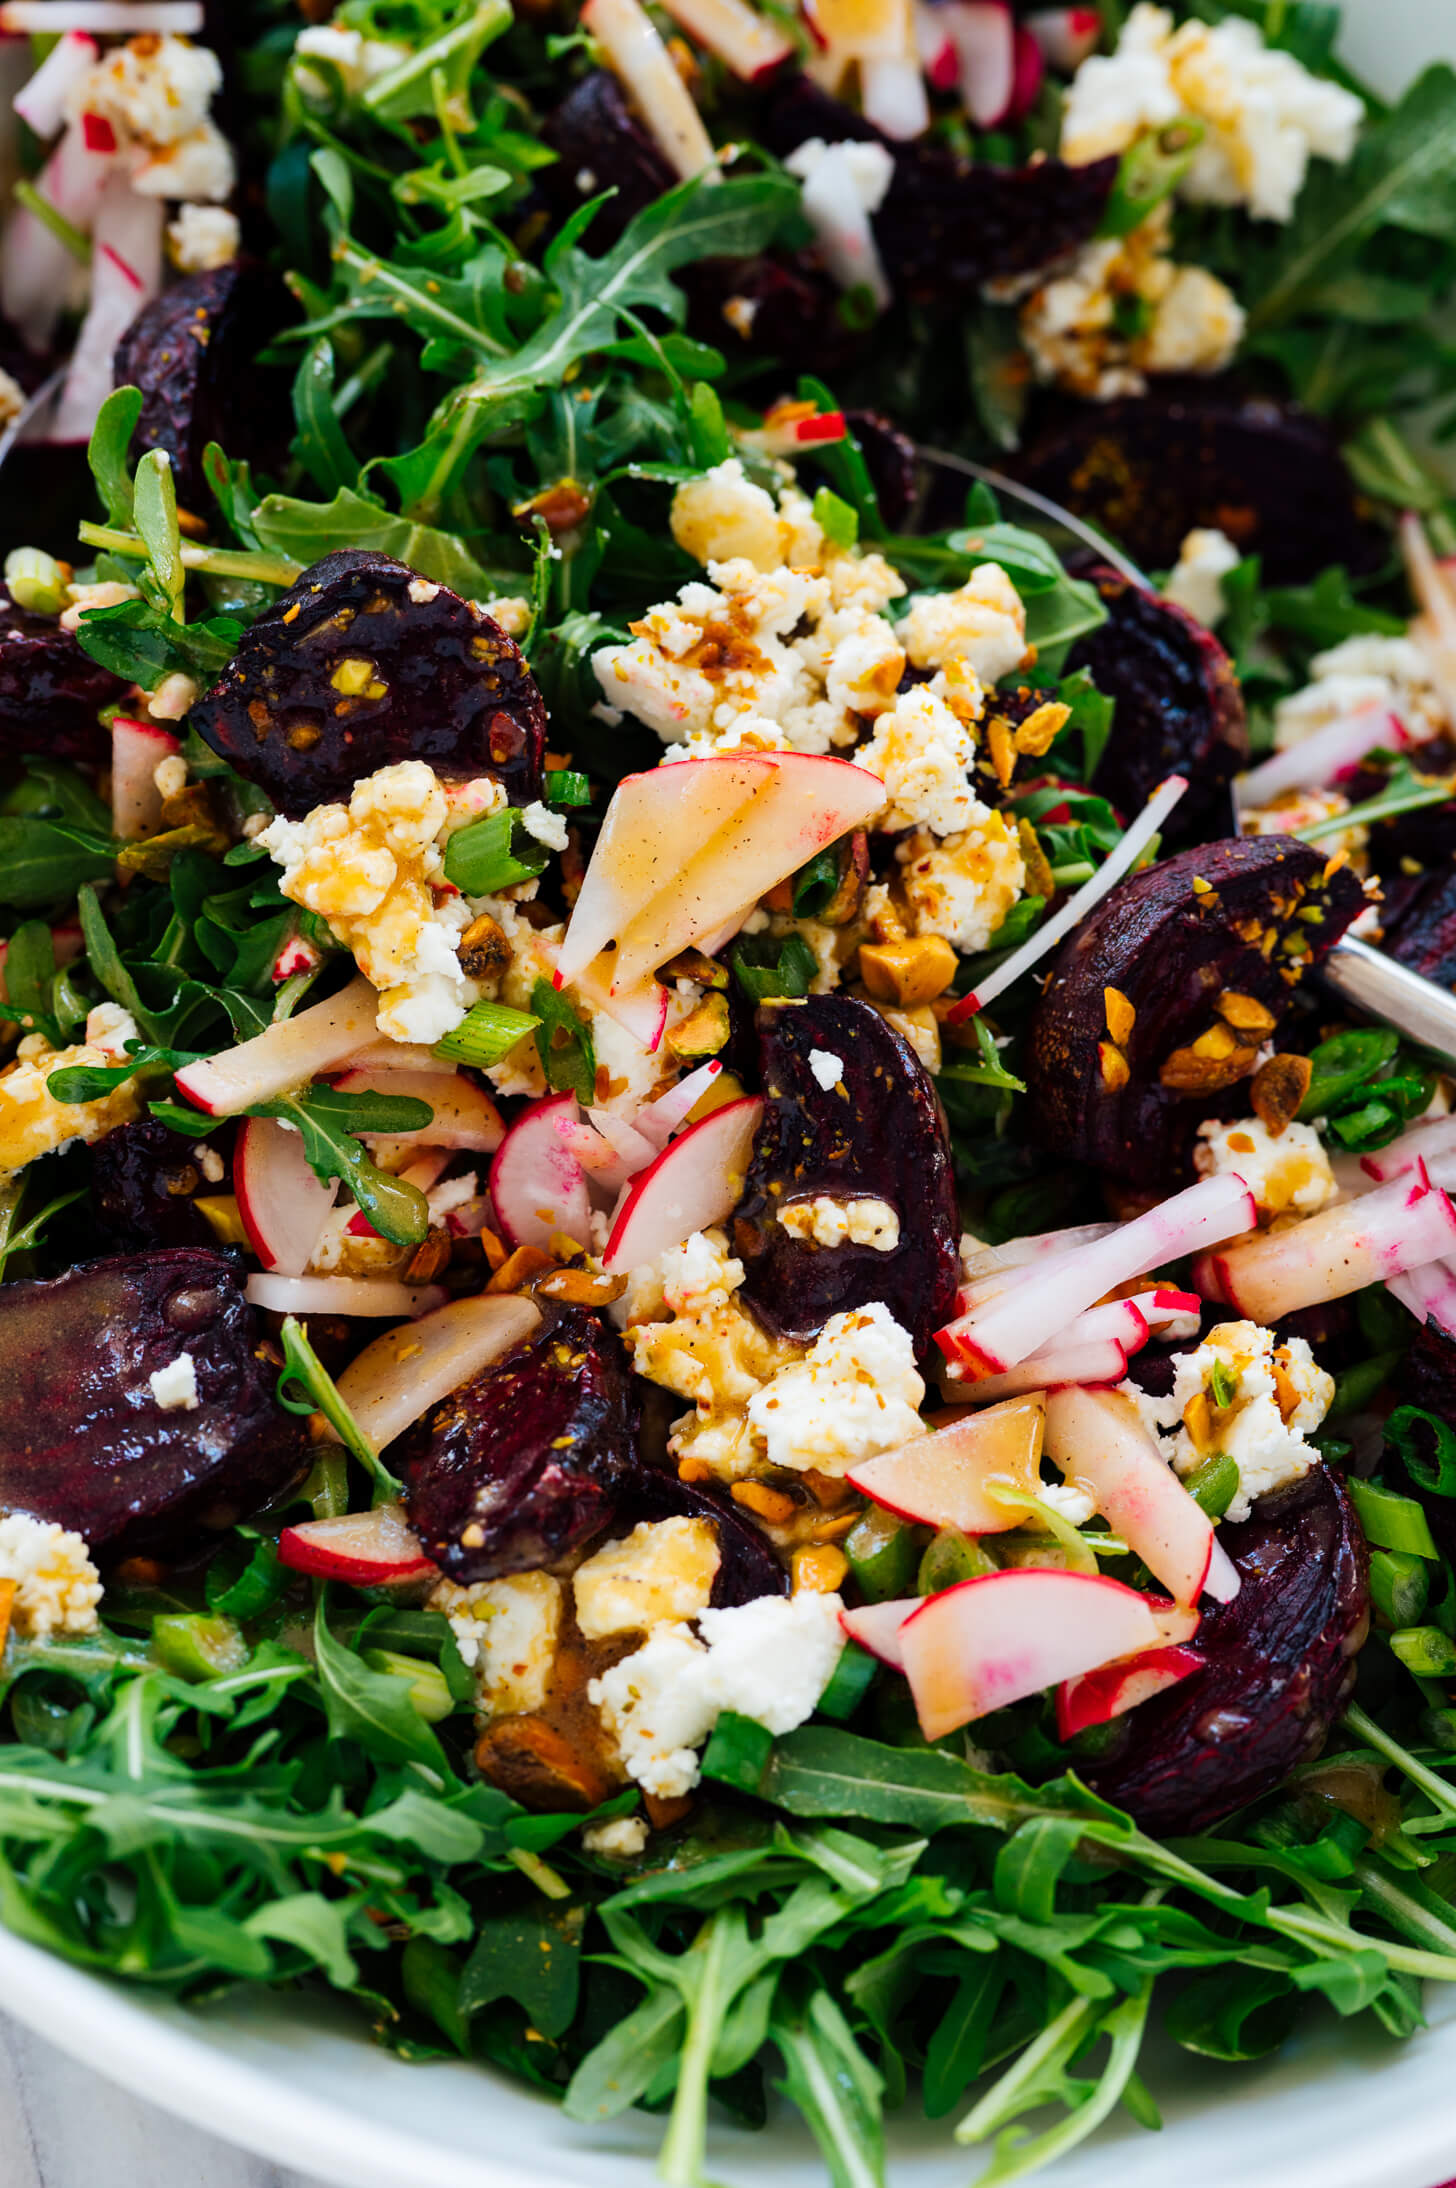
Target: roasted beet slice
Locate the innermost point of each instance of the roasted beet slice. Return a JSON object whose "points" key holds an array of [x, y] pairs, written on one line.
{"points": [[602, 146], [1423, 935], [892, 462], [1205, 949], [1278, 1662], [876, 1133], [144, 1180], [362, 663], [781, 307], [194, 355], [83, 1438], [1147, 469], [51, 693], [526, 1462], [747, 1568], [1179, 708]]}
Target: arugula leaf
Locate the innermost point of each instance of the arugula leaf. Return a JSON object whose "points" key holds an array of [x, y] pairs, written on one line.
{"points": [[564, 1043], [320, 443], [329, 1122], [91, 1082], [834, 2086], [373, 1708], [154, 512], [109, 451], [143, 643], [533, 1955], [306, 531], [319, 1393], [44, 862]]}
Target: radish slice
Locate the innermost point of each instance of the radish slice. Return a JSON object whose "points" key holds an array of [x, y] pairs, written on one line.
{"points": [[842, 185], [1086, 1364], [935, 46], [1428, 1292], [642, 62], [537, 1187], [1027, 73], [396, 1380], [366, 1549], [1035, 1247], [283, 1205], [737, 33], [464, 1115], [376, 1297], [602, 1164], [989, 1642], [1324, 757], [283, 1056], [1100, 1446], [695, 1182], [983, 35], [1432, 1142], [126, 273], [41, 105], [949, 1478], [1098, 1696], [1437, 596], [1066, 35], [632, 1148], [137, 749], [876, 1627], [38, 276], [1120, 1322], [787, 429], [1171, 1314], [1337, 1252], [1015, 1327], [642, 1012], [657, 1121], [1120, 860], [892, 93], [295, 957], [118, 18]]}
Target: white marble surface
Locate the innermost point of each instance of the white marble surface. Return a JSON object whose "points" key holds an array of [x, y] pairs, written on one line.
{"points": [[62, 2126]]}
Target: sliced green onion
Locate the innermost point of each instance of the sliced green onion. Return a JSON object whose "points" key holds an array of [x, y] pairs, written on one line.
{"points": [[737, 1752], [1214, 1483], [566, 786], [1391, 1521], [485, 858], [1356, 1386], [1223, 1385], [33, 580], [849, 1682], [1151, 170], [50, 216], [883, 1555], [952, 1557], [1343, 1063], [1425, 1651], [195, 1647], [1399, 1586], [1427, 1449], [428, 1689], [486, 1033]]}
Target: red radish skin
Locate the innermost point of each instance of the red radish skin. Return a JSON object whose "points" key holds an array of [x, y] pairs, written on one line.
{"points": [[876, 1627], [949, 1478], [295, 957], [365, 1549], [283, 1205], [137, 750], [695, 1182], [1402, 1226], [984, 38], [283, 1056], [1066, 35], [1119, 1322], [1097, 1441], [1098, 1696], [657, 1121], [1027, 70], [1087, 1365], [537, 1186], [1321, 759], [995, 1640]]}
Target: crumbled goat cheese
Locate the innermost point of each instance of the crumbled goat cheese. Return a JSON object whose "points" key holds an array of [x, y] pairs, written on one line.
{"points": [[661, 1573], [1290, 1172], [13, 398], [826, 1222], [828, 1069], [963, 888], [1278, 1398], [723, 516], [770, 1660], [1123, 309], [1264, 114], [154, 88], [688, 1333], [1364, 672], [982, 623], [855, 1394], [1295, 809], [202, 237], [199, 165], [81, 599], [175, 696], [922, 750], [511, 611], [1196, 581], [547, 826], [507, 1632], [1075, 1505], [57, 1588], [357, 59], [209, 1162], [373, 870], [175, 1386], [620, 1840], [33, 1123]]}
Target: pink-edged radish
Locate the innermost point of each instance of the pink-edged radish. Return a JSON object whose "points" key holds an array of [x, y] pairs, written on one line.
{"points": [[1100, 1445], [126, 273], [1119, 1322], [639, 58], [1429, 1293], [935, 47], [396, 1380], [695, 1182], [1339, 1251], [657, 1121], [102, 18], [1433, 1142], [283, 1205], [1018, 1325], [632, 1148], [1066, 35], [1315, 761], [1432, 585], [137, 750], [374, 1298], [642, 1012], [790, 427], [749, 44], [892, 93], [951, 1477], [1028, 70], [296, 956], [604, 1167], [364, 1549], [464, 1116], [1036, 1246], [41, 104], [983, 34], [66, 944], [283, 1056], [1087, 1364], [1096, 1697], [537, 1186], [876, 1627], [986, 1643], [1170, 1314]]}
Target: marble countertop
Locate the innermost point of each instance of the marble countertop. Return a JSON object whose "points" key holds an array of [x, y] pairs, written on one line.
{"points": [[62, 2126]]}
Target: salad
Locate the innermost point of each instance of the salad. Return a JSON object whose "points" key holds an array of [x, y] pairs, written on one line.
{"points": [[725, 1370]]}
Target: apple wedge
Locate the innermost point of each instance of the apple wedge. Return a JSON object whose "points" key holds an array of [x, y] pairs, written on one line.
{"points": [[695, 1182], [537, 1186], [406, 1371], [949, 1478], [366, 1549], [283, 1056], [986, 1643], [282, 1204], [1100, 1445], [1096, 1697]]}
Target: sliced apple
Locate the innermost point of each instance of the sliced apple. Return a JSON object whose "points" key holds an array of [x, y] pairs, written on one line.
{"points": [[950, 1477], [537, 1186], [695, 1182], [366, 1549], [406, 1371], [876, 1627], [1099, 1443], [992, 1641], [137, 748], [282, 1204], [283, 1056], [1096, 1697]]}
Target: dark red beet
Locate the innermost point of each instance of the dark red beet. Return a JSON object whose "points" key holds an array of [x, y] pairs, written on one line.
{"points": [[194, 355], [879, 1134], [1423, 936], [892, 463], [82, 1438], [1278, 1663], [1179, 708], [780, 306], [747, 1567], [1147, 468], [1173, 949], [143, 1183], [50, 693], [445, 685], [525, 1463], [602, 146]]}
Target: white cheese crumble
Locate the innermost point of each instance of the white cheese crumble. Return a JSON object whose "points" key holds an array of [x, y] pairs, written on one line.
{"points": [[982, 623], [922, 750], [1195, 584], [856, 1393], [828, 1069], [507, 1632], [358, 60], [662, 1573], [545, 824], [824, 1221], [1364, 672], [1277, 1396], [622, 1839], [1287, 1174], [1123, 309], [770, 1660], [32, 1122], [175, 1386], [57, 1588], [688, 1333], [202, 237], [963, 888]]}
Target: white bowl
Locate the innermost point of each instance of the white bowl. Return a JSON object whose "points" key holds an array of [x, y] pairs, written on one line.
{"points": [[299, 2083]]}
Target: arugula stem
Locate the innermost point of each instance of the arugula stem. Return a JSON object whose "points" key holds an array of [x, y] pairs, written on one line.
{"points": [[1384, 807], [267, 569], [1365, 1729], [680, 2161], [1000, 2102], [79, 245], [379, 274]]}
